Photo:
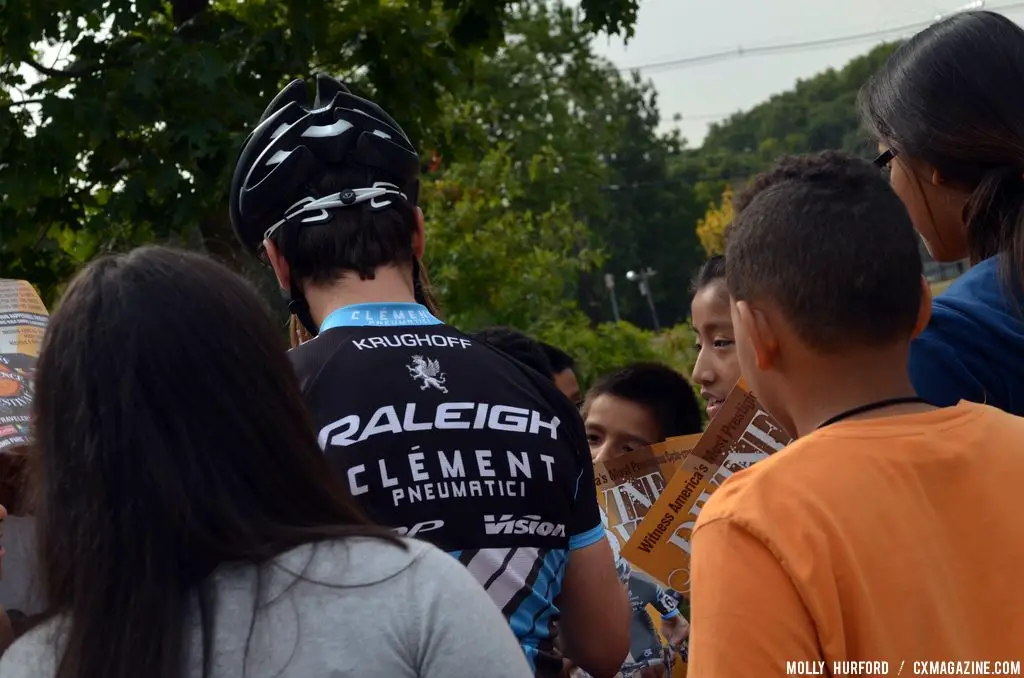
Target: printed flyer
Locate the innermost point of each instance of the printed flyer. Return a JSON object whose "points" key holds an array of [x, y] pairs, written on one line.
{"points": [[627, 487], [22, 323], [671, 452], [740, 435]]}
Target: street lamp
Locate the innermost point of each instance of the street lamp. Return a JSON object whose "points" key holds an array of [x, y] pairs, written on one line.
{"points": [[609, 282], [643, 278]]}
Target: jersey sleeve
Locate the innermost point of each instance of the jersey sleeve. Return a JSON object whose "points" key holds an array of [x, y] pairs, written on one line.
{"points": [[664, 603], [585, 523], [585, 526], [649, 592], [737, 585]]}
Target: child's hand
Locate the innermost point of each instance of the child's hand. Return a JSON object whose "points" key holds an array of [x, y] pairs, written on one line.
{"points": [[675, 629]]}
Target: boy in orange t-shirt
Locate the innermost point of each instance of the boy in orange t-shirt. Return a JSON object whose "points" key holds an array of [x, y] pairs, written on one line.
{"points": [[891, 531]]}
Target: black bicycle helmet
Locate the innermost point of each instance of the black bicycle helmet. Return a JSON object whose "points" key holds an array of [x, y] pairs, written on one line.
{"points": [[272, 194]]}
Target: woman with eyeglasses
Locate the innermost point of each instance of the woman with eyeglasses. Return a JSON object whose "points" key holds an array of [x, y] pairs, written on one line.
{"points": [[947, 110], [189, 525]]}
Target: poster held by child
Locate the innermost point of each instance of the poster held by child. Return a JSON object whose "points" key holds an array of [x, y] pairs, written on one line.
{"points": [[741, 434]]}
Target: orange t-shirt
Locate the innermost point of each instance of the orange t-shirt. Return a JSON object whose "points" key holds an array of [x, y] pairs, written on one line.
{"points": [[896, 539]]}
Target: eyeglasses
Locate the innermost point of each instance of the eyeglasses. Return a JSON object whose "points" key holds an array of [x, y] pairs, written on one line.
{"points": [[885, 157]]}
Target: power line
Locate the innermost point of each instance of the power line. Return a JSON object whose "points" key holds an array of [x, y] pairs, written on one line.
{"points": [[782, 48], [706, 116], [675, 181]]}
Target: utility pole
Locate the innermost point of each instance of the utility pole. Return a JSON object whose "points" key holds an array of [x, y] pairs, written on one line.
{"points": [[643, 278], [609, 282]]}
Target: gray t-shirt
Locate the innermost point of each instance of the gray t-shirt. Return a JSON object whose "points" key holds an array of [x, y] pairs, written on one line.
{"points": [[362, 607]]}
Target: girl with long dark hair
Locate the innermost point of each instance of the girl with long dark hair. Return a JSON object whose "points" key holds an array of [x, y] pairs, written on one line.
{"points": [[947, 110], [189, 524]]}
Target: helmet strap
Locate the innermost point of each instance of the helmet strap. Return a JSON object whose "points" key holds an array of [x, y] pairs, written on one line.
{"points": [[289, 228], [297, 304], [417, 283], [299, 307]]}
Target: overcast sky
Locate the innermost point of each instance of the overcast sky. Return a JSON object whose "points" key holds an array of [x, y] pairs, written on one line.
{"points": [[704, 92]]}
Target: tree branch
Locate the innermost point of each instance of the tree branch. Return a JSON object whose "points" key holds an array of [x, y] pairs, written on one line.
{"points": [[74, 71], [183, 11], [23, 102]]}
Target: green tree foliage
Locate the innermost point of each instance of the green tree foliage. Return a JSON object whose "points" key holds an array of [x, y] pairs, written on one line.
{"points": [[491, 265], [817, 114], [608, 346], [494, 266], [546, 91], [120, 122], [124, 128]]}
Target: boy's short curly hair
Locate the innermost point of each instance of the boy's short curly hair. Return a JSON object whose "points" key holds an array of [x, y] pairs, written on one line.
{"points": [[825, 239]]}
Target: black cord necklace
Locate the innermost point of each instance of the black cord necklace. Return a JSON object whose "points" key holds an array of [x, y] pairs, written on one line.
{"points": [[871, 407]]}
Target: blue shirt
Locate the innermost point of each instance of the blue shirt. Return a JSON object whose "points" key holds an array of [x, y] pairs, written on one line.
{"points": [[973, 347]]}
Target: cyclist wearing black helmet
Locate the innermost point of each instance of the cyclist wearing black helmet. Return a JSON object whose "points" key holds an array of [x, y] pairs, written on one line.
{"points": [[438, 435]]}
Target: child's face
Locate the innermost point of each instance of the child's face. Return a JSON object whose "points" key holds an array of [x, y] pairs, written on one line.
{"points": [[567, 383], [717, 369], [616, 426]]}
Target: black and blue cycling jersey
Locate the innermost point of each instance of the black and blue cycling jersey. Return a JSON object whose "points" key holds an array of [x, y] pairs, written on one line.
{"points": [[451, 441]]}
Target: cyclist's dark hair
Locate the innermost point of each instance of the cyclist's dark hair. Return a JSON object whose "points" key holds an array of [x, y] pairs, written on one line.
{"points": [[517, 345], [164, 451], [711, 270], [825, 239], [953, 97], [665, 393], [559, 359], [355, 241], [297, 334]]}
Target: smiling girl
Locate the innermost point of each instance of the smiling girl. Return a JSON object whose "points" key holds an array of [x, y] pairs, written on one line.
{"points": [[716, 370]]}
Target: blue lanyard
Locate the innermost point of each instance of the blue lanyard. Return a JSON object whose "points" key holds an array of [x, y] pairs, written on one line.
{"points": [[380, 315]]}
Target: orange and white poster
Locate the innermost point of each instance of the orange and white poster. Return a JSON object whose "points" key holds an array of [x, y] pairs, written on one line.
{"points": [[627, 487], [23, 320], [740, 435], [671, 452]]}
